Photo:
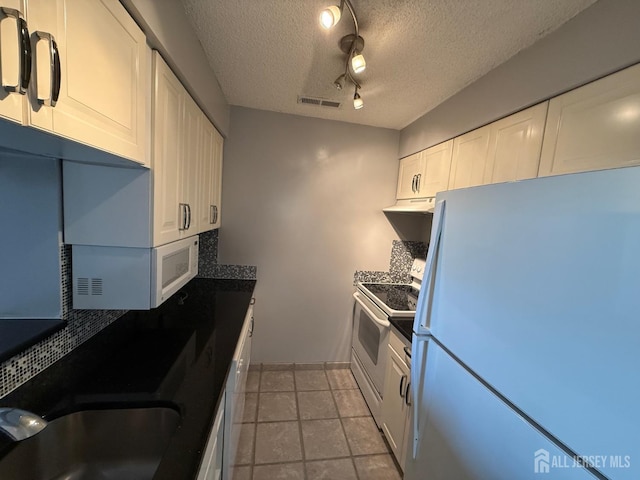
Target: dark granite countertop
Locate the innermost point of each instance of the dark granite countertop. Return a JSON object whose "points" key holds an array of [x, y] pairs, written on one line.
{"points": [[404, 326], [176, 355], [18, 334]]}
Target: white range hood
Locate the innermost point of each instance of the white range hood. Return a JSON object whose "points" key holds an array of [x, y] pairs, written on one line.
{"points": [[414, 205]]}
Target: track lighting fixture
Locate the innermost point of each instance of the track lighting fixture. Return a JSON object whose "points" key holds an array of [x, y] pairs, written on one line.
{"points": [[352, 45]]}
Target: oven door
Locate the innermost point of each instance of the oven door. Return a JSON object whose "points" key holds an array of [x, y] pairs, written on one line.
{"points": [[370, 338]]}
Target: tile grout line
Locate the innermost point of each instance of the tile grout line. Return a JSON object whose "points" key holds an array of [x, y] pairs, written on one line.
{"points": [[344, 432], [302, 449]]}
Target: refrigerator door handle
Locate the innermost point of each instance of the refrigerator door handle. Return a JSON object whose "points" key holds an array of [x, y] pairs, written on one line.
{"points": [[415, 388], [423, 311]]}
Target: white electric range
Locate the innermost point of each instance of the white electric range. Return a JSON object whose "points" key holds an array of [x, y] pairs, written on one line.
{"points": [[375, 304]]}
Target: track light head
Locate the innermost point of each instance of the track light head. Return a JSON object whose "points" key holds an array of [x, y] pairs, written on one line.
{"points": [[339, 82], [358, 103], [330, 16], [358, 64]]}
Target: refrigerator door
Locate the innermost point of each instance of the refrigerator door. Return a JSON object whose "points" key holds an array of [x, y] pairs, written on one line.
{"points": [[469, 433], [538, 291]]}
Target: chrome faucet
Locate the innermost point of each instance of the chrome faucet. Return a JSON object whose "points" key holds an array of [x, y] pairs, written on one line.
{"points": [[19, 424]]}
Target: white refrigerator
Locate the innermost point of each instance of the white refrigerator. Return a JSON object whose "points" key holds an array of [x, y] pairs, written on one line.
{"points": [[526, 346]]}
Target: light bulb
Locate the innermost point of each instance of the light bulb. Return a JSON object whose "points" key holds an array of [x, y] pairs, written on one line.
{"points": [[358, 64], [358, 103], [330, 16]]}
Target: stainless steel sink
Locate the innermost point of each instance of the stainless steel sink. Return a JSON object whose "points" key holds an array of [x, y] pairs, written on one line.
{"points": [[120, 444]]}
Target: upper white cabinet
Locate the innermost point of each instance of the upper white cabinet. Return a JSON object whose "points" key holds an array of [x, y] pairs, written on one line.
{"points": [[186, 161], [514, 146], [410, 172], [437, 161], [89, 74], [469, 158], [503, 151], [210, 173], [15, 65], [425, 173], [594, 127], [168, 108]]}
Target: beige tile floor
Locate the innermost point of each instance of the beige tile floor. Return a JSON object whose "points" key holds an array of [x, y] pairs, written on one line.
{"points": [[309, 425]]}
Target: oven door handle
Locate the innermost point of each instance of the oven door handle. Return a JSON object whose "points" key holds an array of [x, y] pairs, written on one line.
{"points": [[382, 323]]}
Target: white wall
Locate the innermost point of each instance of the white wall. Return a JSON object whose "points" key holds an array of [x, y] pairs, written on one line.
{"points": [[302, 200], [600, 40]]}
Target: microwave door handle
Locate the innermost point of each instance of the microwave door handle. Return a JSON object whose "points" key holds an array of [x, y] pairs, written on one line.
{"points": [[382, 323]]}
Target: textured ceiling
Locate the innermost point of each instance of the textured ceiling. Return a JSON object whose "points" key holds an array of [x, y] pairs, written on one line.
{"points": [[419, 52]]}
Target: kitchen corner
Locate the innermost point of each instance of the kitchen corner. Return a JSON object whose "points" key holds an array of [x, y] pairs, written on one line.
{"points": [[178, 355]]}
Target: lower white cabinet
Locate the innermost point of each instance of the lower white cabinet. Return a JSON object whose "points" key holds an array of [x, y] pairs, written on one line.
{"points": [[235, 394], [396, 401], [222, 446], [211, 466]]}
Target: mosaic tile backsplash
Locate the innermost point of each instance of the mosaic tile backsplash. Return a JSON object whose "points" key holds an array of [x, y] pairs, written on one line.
{"points": [[84, 324], [402, 255], [81, 325], [208, 266]]}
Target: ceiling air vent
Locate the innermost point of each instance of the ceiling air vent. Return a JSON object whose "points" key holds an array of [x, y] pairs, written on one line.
{"points": [[321, 102]]}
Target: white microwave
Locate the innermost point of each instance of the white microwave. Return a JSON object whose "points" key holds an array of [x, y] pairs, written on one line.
{"points": [[125, 278]]}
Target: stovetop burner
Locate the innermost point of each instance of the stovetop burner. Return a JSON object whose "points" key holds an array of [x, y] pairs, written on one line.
{"points": [[398, 297]]}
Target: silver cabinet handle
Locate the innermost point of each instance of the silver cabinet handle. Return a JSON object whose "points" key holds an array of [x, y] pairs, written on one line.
{"points": [[413, 184], [211, 215], [406, 395], [402, 380], [54, 65], [183, 220], [419, 178], [189, 217], [407, 352], [251, 327], [24, 43], [215, 218]]}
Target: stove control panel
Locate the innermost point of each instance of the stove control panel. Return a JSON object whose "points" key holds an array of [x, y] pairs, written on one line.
{"points": [[417, 269]]}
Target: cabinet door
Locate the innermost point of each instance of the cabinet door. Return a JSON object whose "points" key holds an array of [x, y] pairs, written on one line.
{"points": [[437, 166], [210, 177], [168, 106], [12, 103], [515, 144], [236, 393], [469, 158], [189, 165], [394, 406], [211, 466], [410, 168], [216, 191], [594, 127], [103, 58]]}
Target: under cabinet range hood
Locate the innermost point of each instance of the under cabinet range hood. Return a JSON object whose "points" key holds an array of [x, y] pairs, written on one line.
{"points": [[127, 278], [414, 205]]}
